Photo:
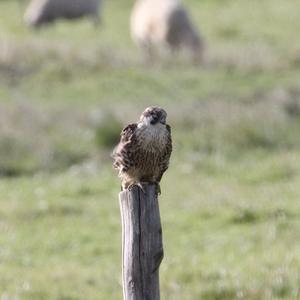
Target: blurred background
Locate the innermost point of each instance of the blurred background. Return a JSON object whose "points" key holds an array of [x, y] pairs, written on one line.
{"points": [[230, 200]]}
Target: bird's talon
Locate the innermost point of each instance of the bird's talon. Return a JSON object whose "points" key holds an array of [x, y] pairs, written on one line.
{"points": [[140, 185], [129, 188]]}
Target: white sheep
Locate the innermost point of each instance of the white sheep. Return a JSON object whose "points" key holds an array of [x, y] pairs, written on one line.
{"points": [[40, 12], [157, 24]]}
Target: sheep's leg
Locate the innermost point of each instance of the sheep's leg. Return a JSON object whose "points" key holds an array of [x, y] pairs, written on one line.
{"points": [[174, 51], [96, 20], [149, 52], [196, 48]]}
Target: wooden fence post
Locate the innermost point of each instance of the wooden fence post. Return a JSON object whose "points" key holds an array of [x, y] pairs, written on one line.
{"points": [[142, 248]]}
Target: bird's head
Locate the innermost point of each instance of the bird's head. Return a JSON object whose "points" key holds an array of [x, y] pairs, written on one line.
{"points": [[153, 116]]}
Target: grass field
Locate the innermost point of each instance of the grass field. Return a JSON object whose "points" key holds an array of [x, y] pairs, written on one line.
{"points": [[230, 201]]}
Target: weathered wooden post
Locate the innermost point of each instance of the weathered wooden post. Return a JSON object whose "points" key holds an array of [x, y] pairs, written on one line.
{"points": [[142, 248]]}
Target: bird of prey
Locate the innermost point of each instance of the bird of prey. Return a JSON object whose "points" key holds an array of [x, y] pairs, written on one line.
{"points": [[143, 153]]}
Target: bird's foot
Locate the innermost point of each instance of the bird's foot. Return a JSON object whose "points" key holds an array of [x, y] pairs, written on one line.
{"points": [[130, 187], [141, 186]]}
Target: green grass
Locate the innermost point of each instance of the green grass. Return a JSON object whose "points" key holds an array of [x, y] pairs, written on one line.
{"points": [[230, 202]]}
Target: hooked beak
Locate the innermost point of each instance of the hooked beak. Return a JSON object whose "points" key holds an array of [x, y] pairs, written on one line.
{"points": [[154, 120]]}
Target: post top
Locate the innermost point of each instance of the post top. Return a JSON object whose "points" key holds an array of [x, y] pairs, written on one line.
{"points": [[148, 189]]}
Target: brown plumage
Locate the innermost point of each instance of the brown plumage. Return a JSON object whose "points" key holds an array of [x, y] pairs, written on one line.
{"points": [[144, 150]]}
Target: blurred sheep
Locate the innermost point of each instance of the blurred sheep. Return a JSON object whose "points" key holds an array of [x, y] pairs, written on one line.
{"points": [[159, 24], [40, 12]]}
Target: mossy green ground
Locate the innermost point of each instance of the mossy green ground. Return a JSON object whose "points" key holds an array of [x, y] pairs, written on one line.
{"points": [[230, 201]]}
